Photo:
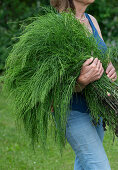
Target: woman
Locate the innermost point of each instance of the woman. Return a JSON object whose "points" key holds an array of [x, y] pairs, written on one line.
{"points": [[84, 137]]}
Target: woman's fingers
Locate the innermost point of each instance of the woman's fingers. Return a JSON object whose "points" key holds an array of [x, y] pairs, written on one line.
{"points": [[88, 61], [98, 65], [92, 61], [114, 79], [109, 68], [95, 61], [102, 71], [94, 65], [114, 76], [111, 72]]}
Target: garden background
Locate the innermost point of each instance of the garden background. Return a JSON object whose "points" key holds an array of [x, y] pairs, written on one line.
{"points": [[15, 151]]}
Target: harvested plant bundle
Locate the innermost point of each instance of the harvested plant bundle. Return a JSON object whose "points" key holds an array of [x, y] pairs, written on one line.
{"points": [[43, 67]]}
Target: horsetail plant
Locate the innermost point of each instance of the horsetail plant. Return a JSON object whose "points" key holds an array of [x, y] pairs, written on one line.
{"points": [[42, 69]]}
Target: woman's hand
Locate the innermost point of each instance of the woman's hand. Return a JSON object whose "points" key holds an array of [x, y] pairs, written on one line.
{"points": [[91, 71], [111, 72]]}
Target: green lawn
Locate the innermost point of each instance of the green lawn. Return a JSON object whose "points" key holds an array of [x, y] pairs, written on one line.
{"points": [[16, 153]]}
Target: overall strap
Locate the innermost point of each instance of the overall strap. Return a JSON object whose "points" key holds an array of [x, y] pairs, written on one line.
{"points": [[99, 40], [95, 32]]}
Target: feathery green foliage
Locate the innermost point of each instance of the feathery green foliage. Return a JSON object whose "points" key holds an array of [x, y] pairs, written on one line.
{"points": [[42, 69]]}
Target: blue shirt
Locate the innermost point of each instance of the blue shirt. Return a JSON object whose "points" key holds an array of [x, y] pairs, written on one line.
{"points": [[78, 101]]}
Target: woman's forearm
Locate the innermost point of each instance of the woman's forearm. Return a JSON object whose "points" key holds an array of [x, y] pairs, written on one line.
{"points": [[78, 87]]}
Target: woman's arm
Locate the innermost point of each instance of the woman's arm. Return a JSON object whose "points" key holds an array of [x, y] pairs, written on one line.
{"points": [[79, 86], [91, 71], [110, 71]]}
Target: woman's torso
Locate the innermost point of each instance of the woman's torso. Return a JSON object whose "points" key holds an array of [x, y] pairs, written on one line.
{"points": [[78, 101]]}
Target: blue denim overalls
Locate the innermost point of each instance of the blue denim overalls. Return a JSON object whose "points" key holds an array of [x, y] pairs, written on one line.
{"points": [[85, 138]]}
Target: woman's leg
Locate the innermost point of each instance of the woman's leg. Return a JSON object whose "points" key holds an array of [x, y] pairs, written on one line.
{"points": [[77, 165], [85, 141], [100, 131]]}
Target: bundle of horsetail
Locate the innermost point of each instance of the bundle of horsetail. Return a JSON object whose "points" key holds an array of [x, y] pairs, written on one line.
{"points": [[42, 69]]}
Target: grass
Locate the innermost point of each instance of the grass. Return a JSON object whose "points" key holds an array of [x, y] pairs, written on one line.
{"points": [[17, 154]]}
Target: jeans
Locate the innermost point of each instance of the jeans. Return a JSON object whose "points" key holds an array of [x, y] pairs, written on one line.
{"points": [[86, 140]]}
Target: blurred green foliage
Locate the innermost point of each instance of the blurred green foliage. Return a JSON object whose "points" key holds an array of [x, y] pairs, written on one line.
{"points": [[12, 12], [106, 13]]}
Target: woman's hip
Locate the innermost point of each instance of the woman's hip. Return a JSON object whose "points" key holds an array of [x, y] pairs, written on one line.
{"points": [[86, 140], [79, 123]]}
